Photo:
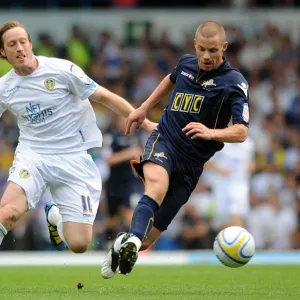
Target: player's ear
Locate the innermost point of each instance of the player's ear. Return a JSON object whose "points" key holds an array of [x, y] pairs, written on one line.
{"points": [[195, 43], [2, 52], [225, 45]]}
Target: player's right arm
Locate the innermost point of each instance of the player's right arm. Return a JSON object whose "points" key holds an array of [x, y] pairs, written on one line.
{"points": [[163, 89]]}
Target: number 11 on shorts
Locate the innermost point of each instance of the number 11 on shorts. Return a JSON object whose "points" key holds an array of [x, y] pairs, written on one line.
{"points": [[86, 204]]}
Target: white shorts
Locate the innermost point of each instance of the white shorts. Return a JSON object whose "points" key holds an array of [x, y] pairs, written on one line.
{"points": [[73, 180], [231, 199]]}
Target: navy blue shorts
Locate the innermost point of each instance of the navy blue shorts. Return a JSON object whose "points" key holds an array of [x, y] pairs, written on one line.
{"points": [[183, 177]]}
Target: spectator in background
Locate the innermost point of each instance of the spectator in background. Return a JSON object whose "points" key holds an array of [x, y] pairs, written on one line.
{"points": [[229, 173], [122, 184], [45, 46], [78, 49], [4, 67], [196, 219]]}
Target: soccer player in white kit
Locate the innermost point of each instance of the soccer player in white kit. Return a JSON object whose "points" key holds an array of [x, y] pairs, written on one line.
{"points": [[229, 176], [49, 97]]}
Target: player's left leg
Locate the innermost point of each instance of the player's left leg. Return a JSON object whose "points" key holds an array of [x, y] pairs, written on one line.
{"points": [[76, 193], [54, 218], [74, 235], [78, 236]]}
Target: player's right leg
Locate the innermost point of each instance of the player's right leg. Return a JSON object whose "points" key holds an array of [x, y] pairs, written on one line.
{"points": [[13, 206], [127, 247], [110, 264], [154, 170], [25, 188], [156, 186]]}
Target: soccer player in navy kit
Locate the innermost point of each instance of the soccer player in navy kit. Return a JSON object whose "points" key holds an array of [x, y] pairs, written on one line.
{"points": [[205, 94]]}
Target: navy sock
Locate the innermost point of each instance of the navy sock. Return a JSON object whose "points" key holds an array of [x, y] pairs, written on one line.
{"points": [[143, 217]]}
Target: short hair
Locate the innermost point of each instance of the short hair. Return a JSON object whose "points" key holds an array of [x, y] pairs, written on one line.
{"points": [[210, 29], [7, 26]]}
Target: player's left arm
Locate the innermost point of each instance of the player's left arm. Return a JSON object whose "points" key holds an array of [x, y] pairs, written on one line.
{"points": [[112, 101], [238, 132], [118, 105], [238, 99]]}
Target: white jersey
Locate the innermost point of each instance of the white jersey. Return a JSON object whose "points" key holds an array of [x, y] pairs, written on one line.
{"points": [[51, 106]]}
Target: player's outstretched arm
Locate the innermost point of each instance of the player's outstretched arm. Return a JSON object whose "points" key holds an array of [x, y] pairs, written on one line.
{"points": [[112, 101], [118, 105], [163, 89]]}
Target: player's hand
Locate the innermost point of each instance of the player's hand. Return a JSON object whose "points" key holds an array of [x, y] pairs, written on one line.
{"points": [[138, 116], [197, 130]]}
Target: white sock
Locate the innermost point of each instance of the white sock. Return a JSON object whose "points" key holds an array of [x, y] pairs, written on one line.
{"points": [[54, 216], [136, 241], [3, 233], [117, 244], [60, 229]]}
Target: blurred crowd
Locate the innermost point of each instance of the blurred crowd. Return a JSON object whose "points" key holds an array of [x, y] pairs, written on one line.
{"points": [[133, 67]]}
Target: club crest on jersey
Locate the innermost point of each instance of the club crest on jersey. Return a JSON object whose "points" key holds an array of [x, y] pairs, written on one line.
{"points": [[159, 155], [49, 84], [24, 174], [207, 83]]}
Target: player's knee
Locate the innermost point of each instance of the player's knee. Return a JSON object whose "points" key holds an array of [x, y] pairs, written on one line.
{"points": [[156, 191], [11, 214], [78, 245]]}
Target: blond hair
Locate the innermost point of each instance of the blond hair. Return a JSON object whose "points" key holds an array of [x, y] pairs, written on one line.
{"points": [[7, 26]]}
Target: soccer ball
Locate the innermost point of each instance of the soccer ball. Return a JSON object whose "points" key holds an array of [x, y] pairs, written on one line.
{"points": [[234, 246]]}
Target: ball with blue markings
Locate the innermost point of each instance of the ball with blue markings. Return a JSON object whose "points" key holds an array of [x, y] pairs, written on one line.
{"points": [[234, 246]]}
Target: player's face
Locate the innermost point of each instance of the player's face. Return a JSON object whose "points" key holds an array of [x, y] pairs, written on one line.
{"points": [[17, 48], [209, 51]]}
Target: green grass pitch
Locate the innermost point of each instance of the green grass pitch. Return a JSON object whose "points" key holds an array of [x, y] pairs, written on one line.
{"points": [[152, 282]]}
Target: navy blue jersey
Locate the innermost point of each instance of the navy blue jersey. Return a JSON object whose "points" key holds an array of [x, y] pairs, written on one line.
{"points": [[121, 173], [212, 98]]}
